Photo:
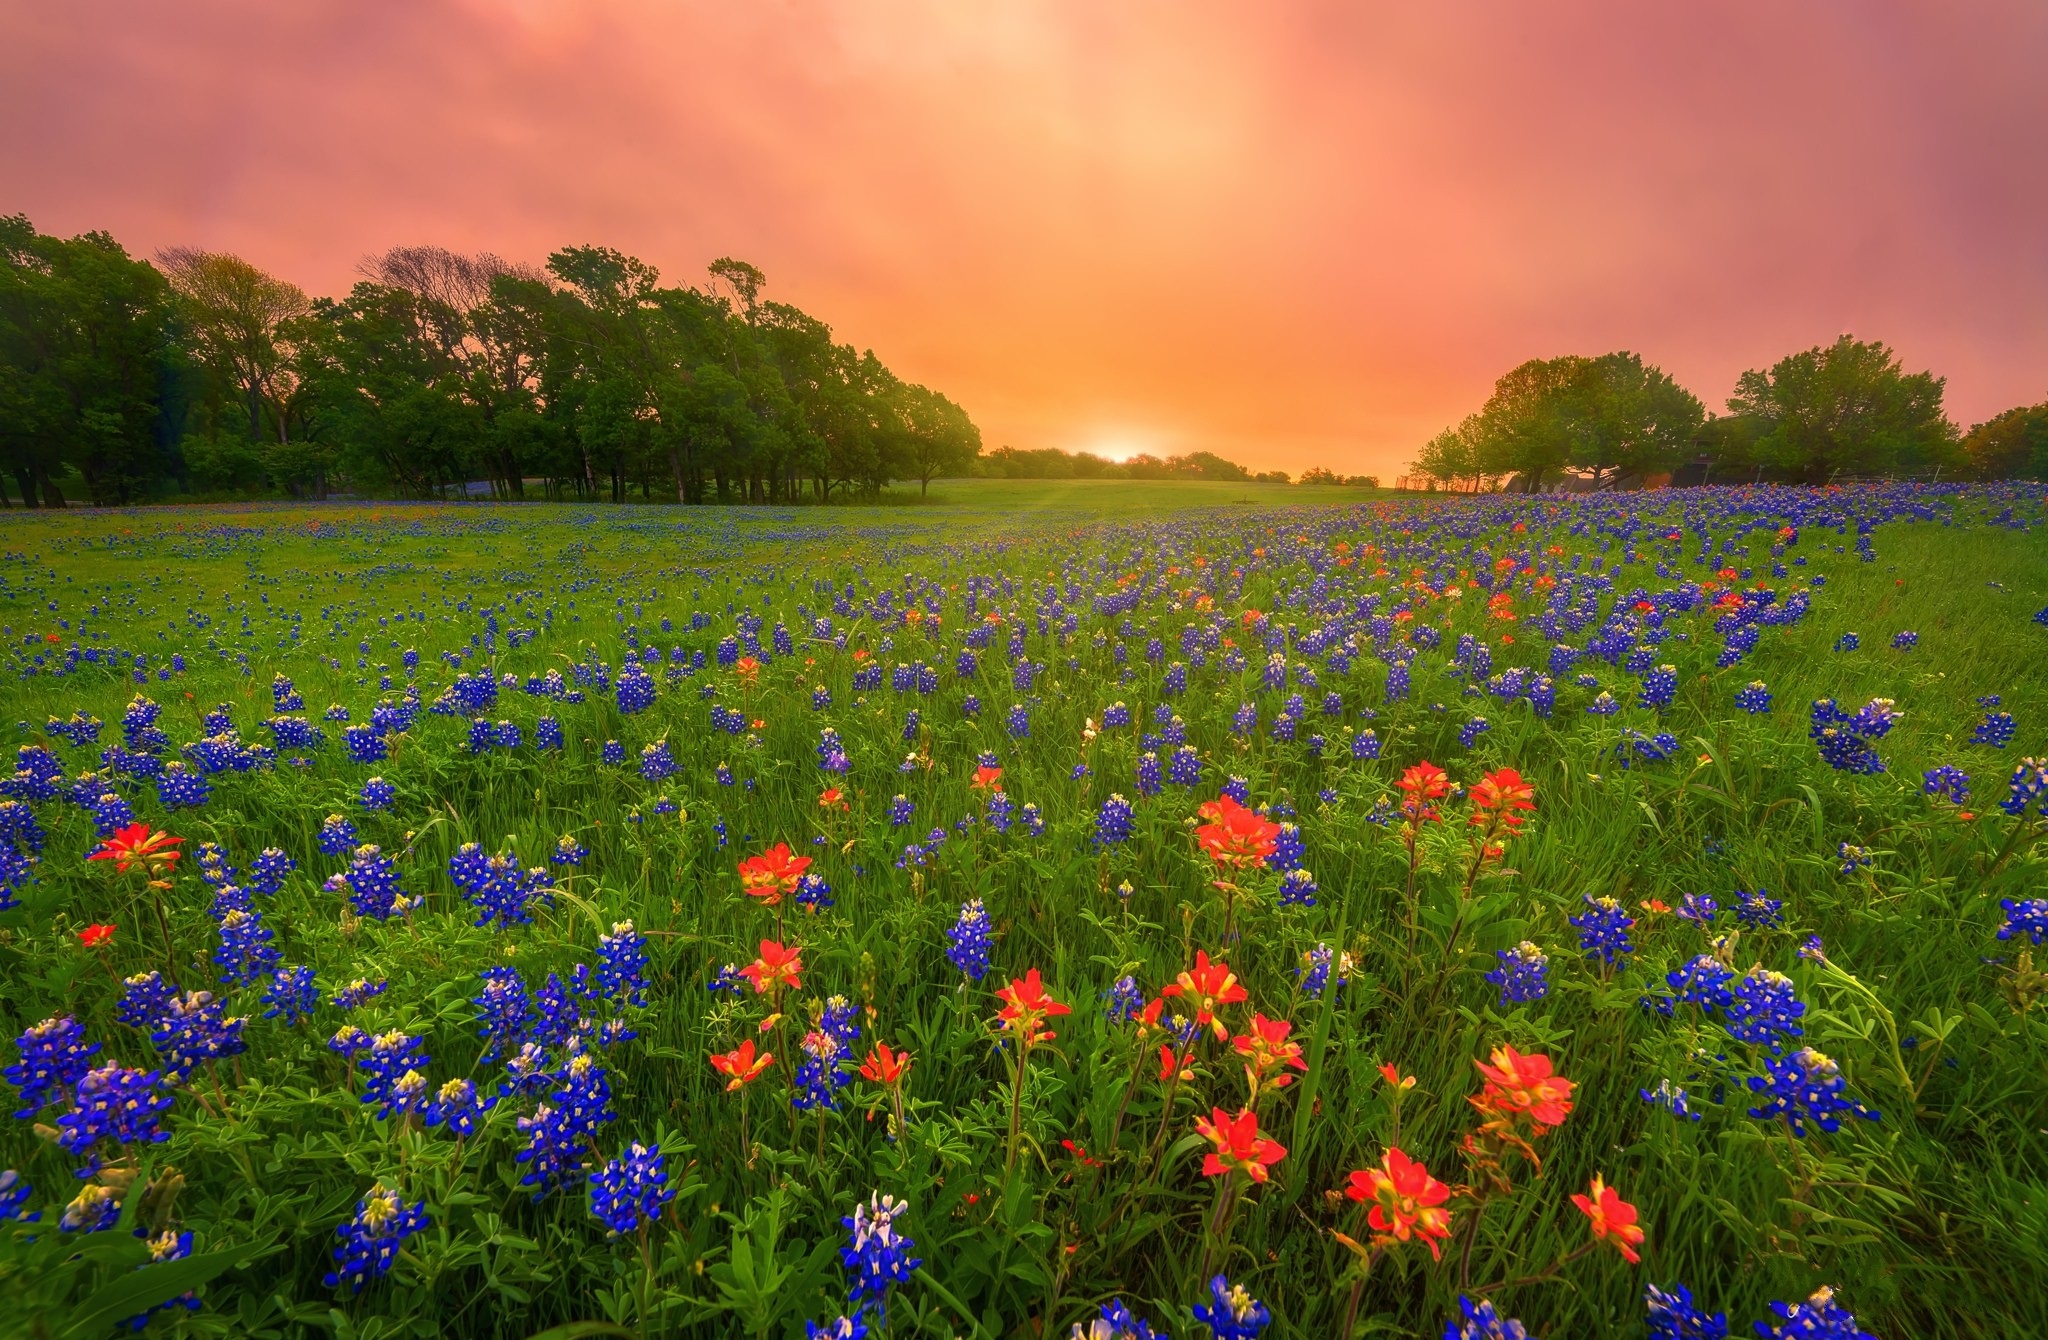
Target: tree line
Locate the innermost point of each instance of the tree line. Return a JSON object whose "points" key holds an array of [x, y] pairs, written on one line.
{"points": [[1847, 409], [199, 373]]}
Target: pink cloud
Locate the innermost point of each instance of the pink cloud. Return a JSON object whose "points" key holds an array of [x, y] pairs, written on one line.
{"points": [[1294, 234]]}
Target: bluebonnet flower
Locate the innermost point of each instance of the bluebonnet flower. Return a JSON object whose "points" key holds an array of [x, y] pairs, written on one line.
{"points": [[879, 1255], [1765, 1008], [16, 868], [395, 1066], [458, 1106], [634, 689], [504, 1009], [968, 940], [559, 1132], [246, 953], [1759, 911], [568, 851], [1298, 888], [1804, 1087], [1126, 999], [1671, 1098], [1674, 1317], [2029, 783], [110, 813], [54, 1057], [115, 1103], [18, 826], [1703, 982], [1482, 1321], [95, 1209], [1604, 704], [370, 1241], [1232, 1313], [1996, 730], [178, 787], [1660, 687], [291, 995], [2024, 916], [1521, 973], [1853, 857], [1754, 698], [193, 1028], [337, 835], [1115, 1322], [1185, 769], [1033, 821], [372, 884], [1848, 642], [1317, 967], [612, 752], [813, 894], [1018, 722], [365, 744], [1472, 730], [547, 733], [1949, 783], [144, 998], [1699, 907], [14, 1193], [1113, 821], [622, 963], [728, 980], [267, 872], [358, 991], [1603, 929], [1149, 783], [1820, 1317], [657, 763], [629, 1191]]}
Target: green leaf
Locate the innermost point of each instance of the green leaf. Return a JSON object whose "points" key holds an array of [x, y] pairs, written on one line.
{"points": [[144, 1289], [576, 1330]]}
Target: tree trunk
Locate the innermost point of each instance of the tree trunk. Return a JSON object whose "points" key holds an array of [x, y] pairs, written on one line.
{"points": [[675, 466], [25, 480], [52, 495]]}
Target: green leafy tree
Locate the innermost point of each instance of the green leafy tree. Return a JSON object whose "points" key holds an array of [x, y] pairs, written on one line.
{"points": [[2012, 445], [84, 355], [1624, 416], [1848, 407]]}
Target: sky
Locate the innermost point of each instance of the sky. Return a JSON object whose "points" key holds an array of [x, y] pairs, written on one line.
{"points": [[1292, 233]]}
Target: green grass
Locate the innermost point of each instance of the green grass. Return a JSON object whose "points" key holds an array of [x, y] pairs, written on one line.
{"points": [[1931, 1222]]}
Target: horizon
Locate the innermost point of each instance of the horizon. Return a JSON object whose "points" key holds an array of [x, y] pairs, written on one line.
{"points": [[1296, 239]]}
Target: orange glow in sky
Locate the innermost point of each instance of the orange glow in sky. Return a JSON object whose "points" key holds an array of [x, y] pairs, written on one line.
{"points": [[1291, 233]]}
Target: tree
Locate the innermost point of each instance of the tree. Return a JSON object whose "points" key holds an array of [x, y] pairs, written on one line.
{"points": [[1628, 417], [938, 437], [84, 356], [1528, 426], [1846, 407], [1452, 456], [2013, 445], [236, 315]]}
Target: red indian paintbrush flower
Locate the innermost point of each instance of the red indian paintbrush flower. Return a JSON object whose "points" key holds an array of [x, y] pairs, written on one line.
{"points": [[1265, 1049], [136, 845], [1611, 1218], [1174, 1067], [92, 937], [1406, 1201], [1423, 783], [1238, 1146], [773, 875], [831, 799], [986, 778], [741, 1064], [1519, 1086], [1235, 837], [1500, 797], [778, 966], [884, 1066], [1208, 986], [1400, 1083], [1026, 1007]]}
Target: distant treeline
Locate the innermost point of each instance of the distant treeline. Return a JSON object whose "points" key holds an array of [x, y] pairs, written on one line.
{"points": [[1848, 409], [1052, 463], [199, 373]]}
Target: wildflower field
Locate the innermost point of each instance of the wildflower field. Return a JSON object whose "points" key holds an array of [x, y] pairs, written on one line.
{"points": [[1495, 917]]}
